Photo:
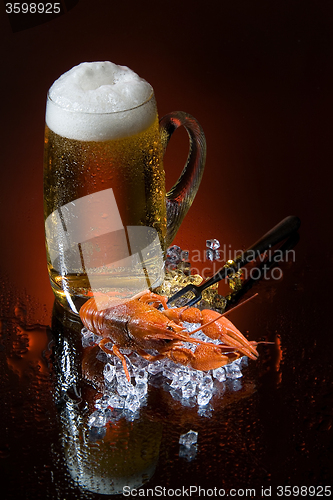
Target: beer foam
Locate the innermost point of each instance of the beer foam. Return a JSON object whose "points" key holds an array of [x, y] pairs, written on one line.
{"points": [[90, 102]]}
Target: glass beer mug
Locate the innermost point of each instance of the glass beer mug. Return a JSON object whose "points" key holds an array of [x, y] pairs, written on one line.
{"points": [[108, 218]]}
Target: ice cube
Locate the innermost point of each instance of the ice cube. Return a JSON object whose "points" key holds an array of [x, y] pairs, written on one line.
{"points": [[109, 372], [88, 338], [132, 402], [184, 255], [116, 401], [140, 375], [181, 377], [204, 396], [141, 389], [243, 361], [219, 374], [233, 371], [189, 390], [125, 388], [97, 419], [196, 376], [138, 362], [113, 414], [102, 403], [185, 267], [156, 367], [121, 377], [171, 266], [168, 371], [213, 244], [174, 254], [219, 302], [206, 383], [188, 439]]}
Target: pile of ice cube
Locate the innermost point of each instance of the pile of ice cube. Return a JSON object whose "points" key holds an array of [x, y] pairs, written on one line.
{"points": [[122, 398], [190, 387]]}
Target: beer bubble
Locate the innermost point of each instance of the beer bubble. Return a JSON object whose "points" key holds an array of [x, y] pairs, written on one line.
{"points": [[90, 102]]}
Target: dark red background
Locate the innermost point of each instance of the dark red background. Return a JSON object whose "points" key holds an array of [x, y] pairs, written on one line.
{"points": [[258, 77]]}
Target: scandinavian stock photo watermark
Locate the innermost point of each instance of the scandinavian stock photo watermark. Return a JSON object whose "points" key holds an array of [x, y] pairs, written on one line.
{"points": [[266, 265]]}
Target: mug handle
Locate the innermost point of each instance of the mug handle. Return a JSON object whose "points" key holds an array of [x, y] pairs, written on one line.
{"points": [[181, 195]]}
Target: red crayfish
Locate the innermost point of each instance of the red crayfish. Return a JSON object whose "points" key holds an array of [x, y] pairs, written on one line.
{"points": [[137, 324]]}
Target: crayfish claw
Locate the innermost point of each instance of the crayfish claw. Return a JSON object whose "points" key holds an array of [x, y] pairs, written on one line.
{"points": [[209, 357]]}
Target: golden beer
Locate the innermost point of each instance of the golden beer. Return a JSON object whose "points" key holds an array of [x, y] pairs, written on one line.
{"points": [[106, 253]]}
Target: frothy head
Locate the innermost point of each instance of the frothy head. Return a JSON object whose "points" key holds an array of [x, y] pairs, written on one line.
{"points": [[99, 101]]}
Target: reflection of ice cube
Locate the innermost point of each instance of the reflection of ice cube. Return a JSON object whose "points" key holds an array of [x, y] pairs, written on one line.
{"points": [[132, 402], [188, 452], [212, 254], [204, 397], [97, 419], [205, 411], [235, 385], [188, 439], [96, 434]]}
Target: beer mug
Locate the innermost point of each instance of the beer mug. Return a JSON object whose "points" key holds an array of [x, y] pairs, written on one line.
{"points": [[108, 218]]}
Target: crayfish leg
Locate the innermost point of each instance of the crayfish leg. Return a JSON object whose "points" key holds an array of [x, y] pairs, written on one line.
{"points": [[117, 353]]}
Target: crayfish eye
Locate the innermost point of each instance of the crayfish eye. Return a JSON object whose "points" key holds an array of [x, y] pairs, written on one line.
{"points": [[169, 328]]}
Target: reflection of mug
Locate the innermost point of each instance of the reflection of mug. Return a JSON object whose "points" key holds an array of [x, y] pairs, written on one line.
{"points": [[108, 219], [106, 459]]}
